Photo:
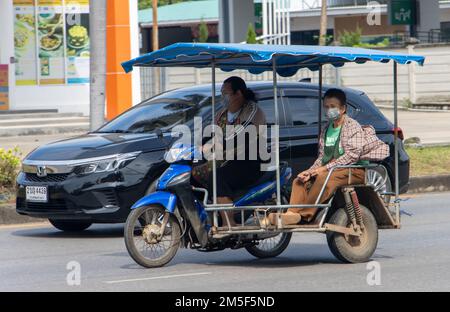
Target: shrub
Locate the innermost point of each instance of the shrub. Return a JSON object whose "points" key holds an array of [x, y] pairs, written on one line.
{"points": [[9, 166], [203, 32]]}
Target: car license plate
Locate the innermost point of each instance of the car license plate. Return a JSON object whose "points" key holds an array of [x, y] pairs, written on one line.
{"points": [[37, 194]]}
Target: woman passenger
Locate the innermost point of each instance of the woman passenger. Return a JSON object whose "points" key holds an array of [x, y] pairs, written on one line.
{"points": [[341, 143]]}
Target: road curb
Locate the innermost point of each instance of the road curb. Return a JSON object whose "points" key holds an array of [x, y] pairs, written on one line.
{"points": [[422, 110], [8, 215], [426, 184]]}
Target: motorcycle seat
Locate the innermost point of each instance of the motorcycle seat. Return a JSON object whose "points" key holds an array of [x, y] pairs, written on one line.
{"points": [[267, 176]]}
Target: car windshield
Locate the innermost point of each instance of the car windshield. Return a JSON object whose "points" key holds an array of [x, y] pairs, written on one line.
{"points": [[163, 112]]}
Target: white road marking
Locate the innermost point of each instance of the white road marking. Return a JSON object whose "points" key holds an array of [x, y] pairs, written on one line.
{"points": [[157, 277]]}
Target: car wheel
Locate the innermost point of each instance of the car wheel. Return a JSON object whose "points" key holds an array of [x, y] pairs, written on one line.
{"points": [[70, 225], [376, 177]]}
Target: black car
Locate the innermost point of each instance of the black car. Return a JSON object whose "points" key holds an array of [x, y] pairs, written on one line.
{"points": [[96, 177]]}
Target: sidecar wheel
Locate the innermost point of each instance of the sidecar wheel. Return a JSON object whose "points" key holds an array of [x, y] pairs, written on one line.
{"points": [[147, 251], [351, 249]]}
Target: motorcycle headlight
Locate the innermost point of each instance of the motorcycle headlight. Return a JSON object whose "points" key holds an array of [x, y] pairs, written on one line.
{"points": [[107, 163], [173, 154], [181, 153]]}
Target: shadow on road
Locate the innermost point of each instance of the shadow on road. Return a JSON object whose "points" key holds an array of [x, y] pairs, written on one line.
{"points": [[297, 255], [95, 232]]}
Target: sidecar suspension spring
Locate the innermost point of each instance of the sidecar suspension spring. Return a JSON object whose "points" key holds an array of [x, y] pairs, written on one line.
{"points": [[357, 208], [349, 206]]}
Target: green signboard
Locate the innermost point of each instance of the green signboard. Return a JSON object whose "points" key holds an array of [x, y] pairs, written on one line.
{"points": [[402, 12], [258, 16]]}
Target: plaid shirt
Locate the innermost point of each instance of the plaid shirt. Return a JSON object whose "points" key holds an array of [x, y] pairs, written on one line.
{"points": [[359, 143]]}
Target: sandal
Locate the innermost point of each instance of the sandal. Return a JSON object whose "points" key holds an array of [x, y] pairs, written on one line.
{"points": [[287, 218]]}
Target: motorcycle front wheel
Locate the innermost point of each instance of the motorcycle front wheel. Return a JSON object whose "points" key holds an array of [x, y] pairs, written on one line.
{"points": [[148, 244]]}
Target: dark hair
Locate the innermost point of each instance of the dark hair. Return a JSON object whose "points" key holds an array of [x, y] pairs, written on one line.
{"points": [[338, 94], [237, 83]]}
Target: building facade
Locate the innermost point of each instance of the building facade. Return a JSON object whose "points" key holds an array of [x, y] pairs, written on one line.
{"points": [[45, 54]]}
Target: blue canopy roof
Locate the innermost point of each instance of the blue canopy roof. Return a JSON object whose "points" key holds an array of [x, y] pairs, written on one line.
{"points": [[258, 58]]}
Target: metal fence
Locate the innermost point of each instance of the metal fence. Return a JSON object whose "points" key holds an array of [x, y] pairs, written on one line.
{"points": [[172, 78]]}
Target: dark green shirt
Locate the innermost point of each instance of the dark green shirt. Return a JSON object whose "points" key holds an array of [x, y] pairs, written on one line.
{"points": [[332, 146]]}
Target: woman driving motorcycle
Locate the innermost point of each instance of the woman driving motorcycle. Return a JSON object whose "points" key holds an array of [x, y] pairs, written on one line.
{"points": [[241, 111]]}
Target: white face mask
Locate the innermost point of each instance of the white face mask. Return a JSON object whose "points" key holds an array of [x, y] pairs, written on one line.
{"points": [[333, 113]]}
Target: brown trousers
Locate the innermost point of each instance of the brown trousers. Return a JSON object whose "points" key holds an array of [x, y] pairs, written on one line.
{"points": [[307, 193]]}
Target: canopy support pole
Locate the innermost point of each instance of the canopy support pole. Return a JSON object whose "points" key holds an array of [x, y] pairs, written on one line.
{"points": [[397, 212], [277, 134], [320, 100], [213, 112]]}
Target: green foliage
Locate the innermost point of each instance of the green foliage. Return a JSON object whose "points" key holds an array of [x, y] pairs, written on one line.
{"points": [[9, 165], [350, 39], [328, 39], [203, 32], [353, 39], [144, 4], [147, 4], [251, 35]]}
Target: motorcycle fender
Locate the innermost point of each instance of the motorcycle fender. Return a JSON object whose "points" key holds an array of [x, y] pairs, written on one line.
{"points": [[165, 199]]}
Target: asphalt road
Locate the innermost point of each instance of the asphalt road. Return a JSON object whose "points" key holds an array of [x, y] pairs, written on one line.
{"points": [[415, 258]]}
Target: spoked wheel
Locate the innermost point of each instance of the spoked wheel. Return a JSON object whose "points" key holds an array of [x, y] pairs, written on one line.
{"points": [[353, 249], [270, 247], [273, 246], [148, 244]]}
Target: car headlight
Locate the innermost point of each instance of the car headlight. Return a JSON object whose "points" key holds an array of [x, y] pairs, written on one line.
{"points": [[107, 163]]}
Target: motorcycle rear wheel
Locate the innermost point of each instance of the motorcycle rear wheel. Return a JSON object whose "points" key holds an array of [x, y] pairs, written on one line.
{"points": [[270, 247]]}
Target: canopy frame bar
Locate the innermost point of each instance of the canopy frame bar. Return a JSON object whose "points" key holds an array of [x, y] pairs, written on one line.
{"points": [[277, 139], [320, 100], [395, 87], [213, 110]]}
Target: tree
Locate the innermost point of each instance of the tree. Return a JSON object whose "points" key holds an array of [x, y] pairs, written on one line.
{"points": [[203, 32], [323, 24], [144, 4], [251, 34]]}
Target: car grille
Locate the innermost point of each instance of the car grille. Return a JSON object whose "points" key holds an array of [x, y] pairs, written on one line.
{"points": [[54, 205], [57, 177]]}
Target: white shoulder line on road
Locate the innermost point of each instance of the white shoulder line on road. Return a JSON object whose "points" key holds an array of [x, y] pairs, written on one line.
{"points": [[157, 277]]}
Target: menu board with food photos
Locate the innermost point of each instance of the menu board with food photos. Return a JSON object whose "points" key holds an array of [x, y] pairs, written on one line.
{"points": [[77, 43], [51, 41], [25, 42]]}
